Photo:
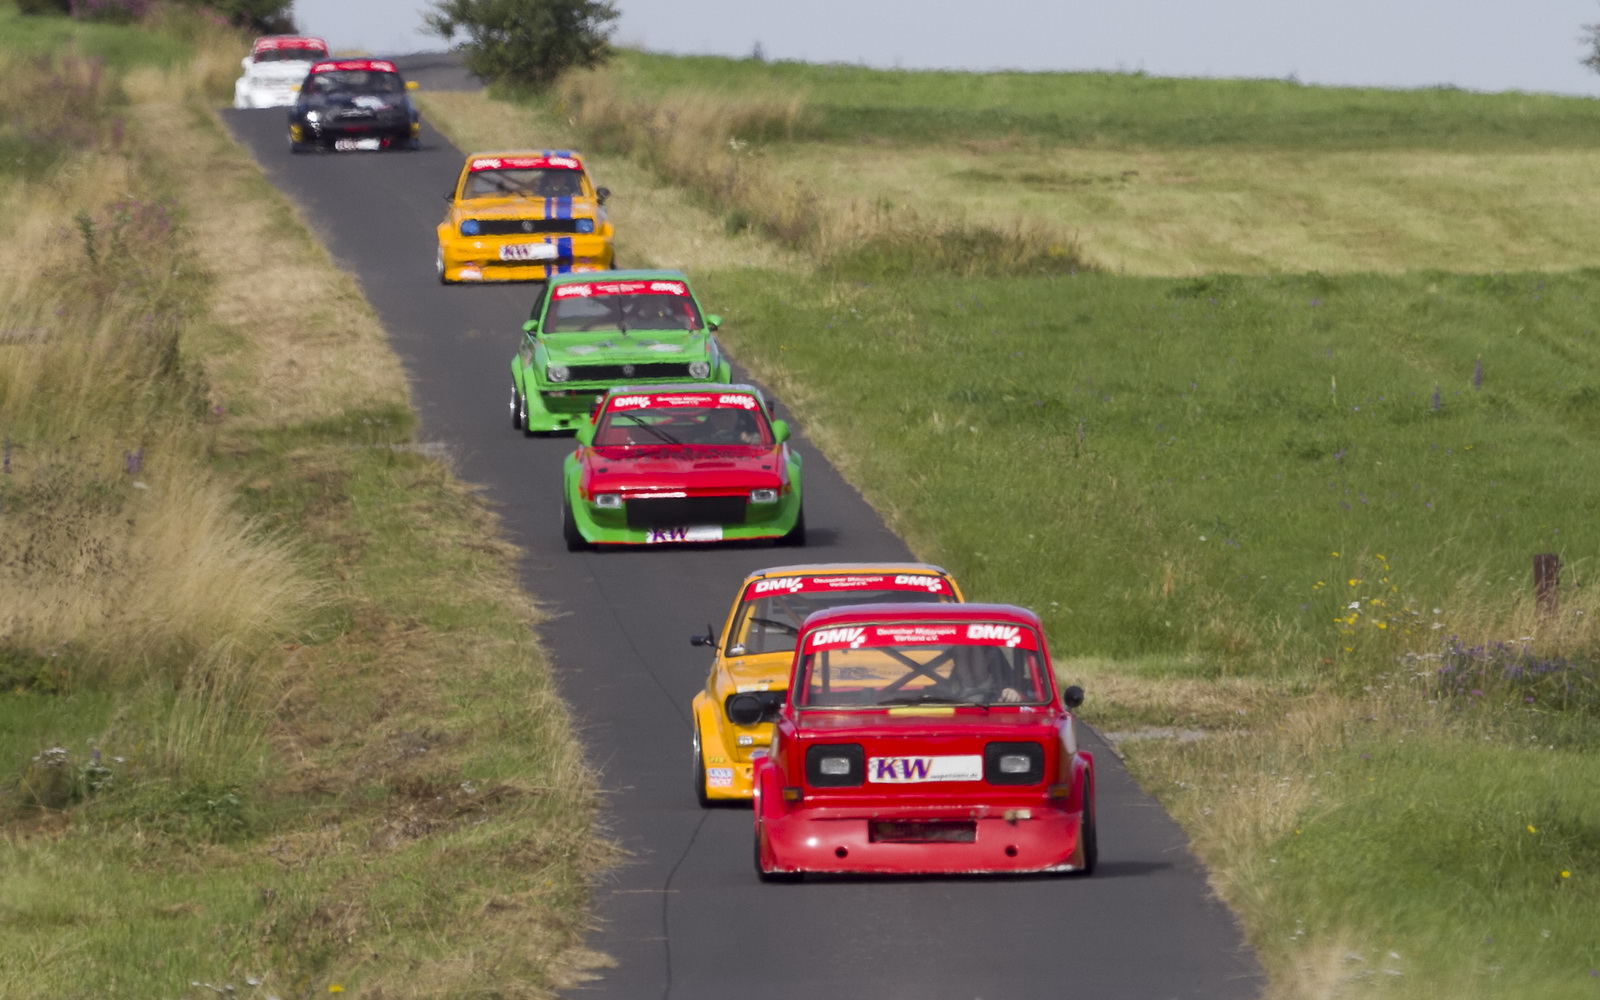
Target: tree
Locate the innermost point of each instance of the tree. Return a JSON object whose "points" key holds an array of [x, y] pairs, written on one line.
{"points": [[527, 41], [1591, 38]]}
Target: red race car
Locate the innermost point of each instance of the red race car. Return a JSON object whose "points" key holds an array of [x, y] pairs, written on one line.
{"points": [[924, 738]]}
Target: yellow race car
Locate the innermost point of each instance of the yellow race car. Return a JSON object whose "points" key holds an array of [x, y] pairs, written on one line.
{"points": [[750, 665], [523, 216]]}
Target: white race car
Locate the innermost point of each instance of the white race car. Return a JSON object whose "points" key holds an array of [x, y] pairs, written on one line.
{"points": [[275, 68]]}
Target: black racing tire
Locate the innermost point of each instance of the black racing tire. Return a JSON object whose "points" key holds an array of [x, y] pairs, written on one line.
{"points": [[796, 536], [700, 772], [522, 420], [438, 264], [516, 408], [1091, 840], [298, 148], [570, 533]]}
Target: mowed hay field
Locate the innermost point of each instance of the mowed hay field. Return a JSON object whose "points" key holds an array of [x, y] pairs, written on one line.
{"points": [[1265, 396]]}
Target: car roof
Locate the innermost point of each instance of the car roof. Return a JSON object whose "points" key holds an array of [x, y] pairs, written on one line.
{"points": [[844, 569], [603, 277], [888, 612], [502, 154], [669, 389]]}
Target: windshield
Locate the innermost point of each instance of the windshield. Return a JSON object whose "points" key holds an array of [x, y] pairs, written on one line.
{"points": [[620, 313], [769, 617], [721, 426], [873, 666], [289, 55], [537, 183], [356, 81]]}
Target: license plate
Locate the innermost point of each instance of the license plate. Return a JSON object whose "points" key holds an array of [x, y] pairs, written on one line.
{"points": [[346, 144], [696, 533], [528, 251]]}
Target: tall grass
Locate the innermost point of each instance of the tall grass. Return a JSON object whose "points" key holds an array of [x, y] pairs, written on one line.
{"points": [[712, 143], [262, 661]]}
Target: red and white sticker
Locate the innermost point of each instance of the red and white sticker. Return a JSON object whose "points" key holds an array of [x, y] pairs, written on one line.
{"points": [[1001, 634], [368, 65], [584, 290], [525, 163], [834, 583], [909, 770], [691, 400], [275, 44]]}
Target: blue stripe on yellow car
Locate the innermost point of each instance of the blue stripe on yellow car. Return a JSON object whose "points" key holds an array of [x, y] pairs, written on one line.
{"points": [[563, 208]]}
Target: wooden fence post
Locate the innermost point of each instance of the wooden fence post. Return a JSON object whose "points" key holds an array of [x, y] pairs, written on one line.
{"points": [[1546, 582]]}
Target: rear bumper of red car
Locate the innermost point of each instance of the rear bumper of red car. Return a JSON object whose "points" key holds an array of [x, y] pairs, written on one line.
{"points": [[1034, 839]]}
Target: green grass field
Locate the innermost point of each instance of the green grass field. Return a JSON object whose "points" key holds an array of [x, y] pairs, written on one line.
{"points": [[1274, 473]]}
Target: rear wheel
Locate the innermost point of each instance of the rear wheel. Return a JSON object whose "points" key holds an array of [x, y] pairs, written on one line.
{"points": [[770, 876], [569, 531], [1087, 836]]}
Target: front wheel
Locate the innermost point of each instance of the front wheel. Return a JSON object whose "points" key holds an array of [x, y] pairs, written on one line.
{"points": [[569, 531], [700, 772], [796, 535], [516, 408], [439, 265]]}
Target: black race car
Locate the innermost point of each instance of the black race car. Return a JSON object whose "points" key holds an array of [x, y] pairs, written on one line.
{"points": [[353, 104]]}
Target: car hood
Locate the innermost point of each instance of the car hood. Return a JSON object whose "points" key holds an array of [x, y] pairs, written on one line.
{"points": [[524, 207], [759, 671], [669, 468], [634, 347]]}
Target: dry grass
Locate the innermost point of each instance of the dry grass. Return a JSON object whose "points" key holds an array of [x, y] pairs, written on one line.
{"points": [[1203, 211], [658, 225], [711, 144]]}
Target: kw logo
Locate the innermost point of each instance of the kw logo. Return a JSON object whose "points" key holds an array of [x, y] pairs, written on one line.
{"points": [[853, 637], [901, 768], [1011, 635], [932, 584], [669, 535]]}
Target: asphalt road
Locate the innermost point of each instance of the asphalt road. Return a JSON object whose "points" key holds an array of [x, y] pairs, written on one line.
{"points": [[686, 918]]}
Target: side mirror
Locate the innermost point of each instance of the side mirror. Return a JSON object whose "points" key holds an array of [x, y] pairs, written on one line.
{"points": [[601, 194], [713, 320], [411, 85], [530, 326], [585, 435], [449, 196], [780, 431], [1073, 696], [704, 640]]}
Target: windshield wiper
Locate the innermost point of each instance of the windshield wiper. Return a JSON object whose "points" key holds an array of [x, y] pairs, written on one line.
{"points": [[780, 626]]}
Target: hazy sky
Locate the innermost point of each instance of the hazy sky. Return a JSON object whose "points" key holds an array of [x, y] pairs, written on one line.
{"points": [[1475, 44]]}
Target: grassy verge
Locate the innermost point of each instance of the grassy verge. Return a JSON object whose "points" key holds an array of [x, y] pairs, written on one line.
{"points": [[246, 737], [1280, 524]]}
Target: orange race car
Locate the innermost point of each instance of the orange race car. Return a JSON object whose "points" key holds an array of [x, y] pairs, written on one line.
{"points": [[750, 666], [523, 216]]}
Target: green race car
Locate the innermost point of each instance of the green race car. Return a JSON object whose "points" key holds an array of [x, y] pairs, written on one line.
{"points": [[681, 463], [590, 332]]}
